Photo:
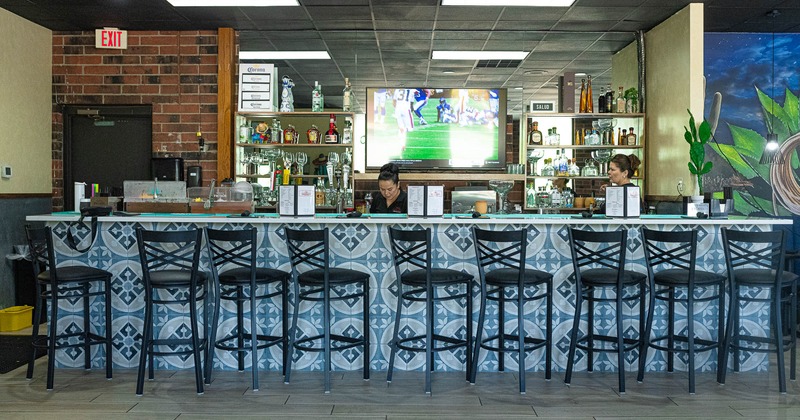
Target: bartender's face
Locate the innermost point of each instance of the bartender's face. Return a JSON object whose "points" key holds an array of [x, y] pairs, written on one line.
{"points": [[389, 190], [615, 174]]}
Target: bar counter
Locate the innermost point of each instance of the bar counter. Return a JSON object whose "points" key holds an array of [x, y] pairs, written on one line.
{"points": [[363, 244]]}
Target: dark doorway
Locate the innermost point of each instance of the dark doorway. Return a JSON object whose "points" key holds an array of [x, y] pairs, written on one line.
{"points": [[106, 144]]}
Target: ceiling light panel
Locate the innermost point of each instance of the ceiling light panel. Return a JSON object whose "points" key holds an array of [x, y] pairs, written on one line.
{"points": [[232, 3]]}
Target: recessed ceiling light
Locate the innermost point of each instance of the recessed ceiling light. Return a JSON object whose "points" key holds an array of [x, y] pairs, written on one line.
{"points": [[448, 72], [528, 3], [518, 88], [479, 55], [233, 3], [284, 55]]}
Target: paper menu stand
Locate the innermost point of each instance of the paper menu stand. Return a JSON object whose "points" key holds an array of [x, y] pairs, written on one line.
{"points": [[623, 201], [426, 201], [296, 200]]}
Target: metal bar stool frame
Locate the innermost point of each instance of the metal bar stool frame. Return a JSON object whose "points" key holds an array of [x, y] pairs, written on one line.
{"points": [[676, 260], [603, 256], [170, 261], [55, 283], [412, 248], [237, 278], [756, 260], [506, 250], [309, 249]]}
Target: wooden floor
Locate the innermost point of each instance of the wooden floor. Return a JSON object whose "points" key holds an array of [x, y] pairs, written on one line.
{"points": [[88, 395]]}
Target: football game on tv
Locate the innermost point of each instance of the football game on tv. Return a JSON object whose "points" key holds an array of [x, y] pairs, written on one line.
{"points": [[426, 128]]}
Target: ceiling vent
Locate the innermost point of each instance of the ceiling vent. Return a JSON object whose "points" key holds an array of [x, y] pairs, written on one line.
{"points": [[498, 64]]}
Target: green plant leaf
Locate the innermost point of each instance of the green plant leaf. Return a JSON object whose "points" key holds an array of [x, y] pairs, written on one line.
{"points": [[687, 135], [771, 107], [706, 168], [792, 108], [692, 168], [692, 127], [697, 154], [731, 154], [747, 142], [704, 133]]}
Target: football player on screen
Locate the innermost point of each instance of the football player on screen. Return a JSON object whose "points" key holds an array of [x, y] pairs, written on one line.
{"points": [[420, 100], [444, 112]]}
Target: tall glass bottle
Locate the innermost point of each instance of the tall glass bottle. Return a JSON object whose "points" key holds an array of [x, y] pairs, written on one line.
{"points": [[317, 99], [620, 101], [582, 105], [589, 97], [609, 99], [631, 138], [332, 135], [347, 96]]}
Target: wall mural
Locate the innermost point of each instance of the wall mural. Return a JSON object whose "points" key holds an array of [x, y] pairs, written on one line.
{"points": [[741, 67]]}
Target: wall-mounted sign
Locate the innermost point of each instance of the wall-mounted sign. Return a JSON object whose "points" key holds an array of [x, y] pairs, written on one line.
{"points": [[112, 38], [543, 106]]}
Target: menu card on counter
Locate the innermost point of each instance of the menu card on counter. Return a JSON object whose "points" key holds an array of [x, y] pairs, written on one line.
{"points": [[296, 200], [624, 201], [426, 201]]}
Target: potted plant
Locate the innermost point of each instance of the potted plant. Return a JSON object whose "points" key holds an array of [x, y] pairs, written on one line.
{"points": [[697, 137], [631, 96]]}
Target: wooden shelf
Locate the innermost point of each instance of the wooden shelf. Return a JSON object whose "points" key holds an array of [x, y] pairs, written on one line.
{"points": [[282, 145], [583, 146], [444, 176], [251, 114], [574, 177], [604, 115]]}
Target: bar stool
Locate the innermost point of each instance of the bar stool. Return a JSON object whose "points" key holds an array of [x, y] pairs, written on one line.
{"points": [[755, 262], [413, 265], [677, 280], [506, 251], [309, 253], [233, 253], [170, 263], [56, 283], [598, 260]]}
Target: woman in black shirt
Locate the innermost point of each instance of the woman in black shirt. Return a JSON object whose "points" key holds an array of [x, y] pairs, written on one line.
{"points": [[391, 198]]}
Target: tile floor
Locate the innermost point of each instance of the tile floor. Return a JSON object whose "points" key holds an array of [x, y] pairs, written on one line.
{"points": [[83, 394]]}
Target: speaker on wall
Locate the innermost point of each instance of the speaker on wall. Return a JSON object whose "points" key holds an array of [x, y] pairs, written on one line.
{"points": [[194, 176], [167, 169]]}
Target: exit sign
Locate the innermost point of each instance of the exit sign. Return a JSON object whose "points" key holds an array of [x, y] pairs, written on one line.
{"points": [[543, 106], [112, 38]]}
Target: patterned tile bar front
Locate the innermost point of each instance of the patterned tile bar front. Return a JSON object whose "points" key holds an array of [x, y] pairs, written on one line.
{"points": [[363, 244]]}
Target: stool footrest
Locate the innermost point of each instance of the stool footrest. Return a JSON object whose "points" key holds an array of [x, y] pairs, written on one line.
{"points": [[536, 343], [264, 341], [454, 343], [584, 344], [349, 343], [701, 344]]}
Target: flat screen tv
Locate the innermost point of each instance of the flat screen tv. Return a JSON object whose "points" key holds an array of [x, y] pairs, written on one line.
{"points": [[424, 129]]}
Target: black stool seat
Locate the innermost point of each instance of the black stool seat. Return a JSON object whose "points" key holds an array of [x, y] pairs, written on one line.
{"points": [[172, 278], [316, 281], [234, 259], [56, 283], [680, 277], [510, 277], [608, 277], [413, 267], [760, 276], [241, 275], [336, 276], [74, 274], [501, 265]]}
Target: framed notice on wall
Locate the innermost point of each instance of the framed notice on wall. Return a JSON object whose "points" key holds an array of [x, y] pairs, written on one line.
{"points": [[258, 87]]}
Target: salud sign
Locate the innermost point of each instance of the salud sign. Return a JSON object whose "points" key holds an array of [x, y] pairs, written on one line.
{"points": [[112, 38]]}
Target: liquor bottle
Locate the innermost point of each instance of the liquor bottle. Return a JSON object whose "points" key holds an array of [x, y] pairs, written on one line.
{"points": [[619, 136], [631, 138], [623, 139], [601, 100], [276, 135], [347, 96], [347, 135], [582, 105], [319, 193], [317, 99], [313, 135], [609, 99], [530, 196], [332, 135], [535, 136], [563, 165], [589, 97], [620, 101], [555, 138], [555, 197], [290, 135]]}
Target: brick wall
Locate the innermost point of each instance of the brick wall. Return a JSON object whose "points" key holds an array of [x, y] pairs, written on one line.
{"points": [[174, 71]]}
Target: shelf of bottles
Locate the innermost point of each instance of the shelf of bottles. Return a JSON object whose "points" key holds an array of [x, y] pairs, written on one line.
{"points": [[284, 148], [567, 153]]}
